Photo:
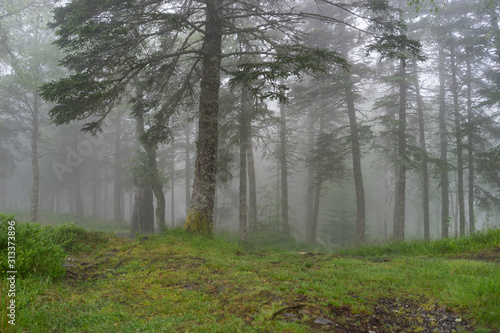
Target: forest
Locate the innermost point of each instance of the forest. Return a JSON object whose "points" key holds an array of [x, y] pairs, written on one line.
{"points": [[337, 123], [249, 166]]}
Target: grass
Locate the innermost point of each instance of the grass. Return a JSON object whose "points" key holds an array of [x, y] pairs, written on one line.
{"points": [[177, 283]]}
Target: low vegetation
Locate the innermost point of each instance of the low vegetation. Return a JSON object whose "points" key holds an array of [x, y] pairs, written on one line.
{"points": [[175, 282]]}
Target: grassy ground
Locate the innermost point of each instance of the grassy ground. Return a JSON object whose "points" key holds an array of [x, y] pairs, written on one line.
{"points": [[178, 283]]}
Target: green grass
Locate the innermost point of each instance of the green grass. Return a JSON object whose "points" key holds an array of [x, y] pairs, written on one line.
{"points": [[452, 246], [87, 222], [178, 283]]}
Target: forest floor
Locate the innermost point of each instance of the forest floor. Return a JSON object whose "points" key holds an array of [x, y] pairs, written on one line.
{"points": [[178, 283]]}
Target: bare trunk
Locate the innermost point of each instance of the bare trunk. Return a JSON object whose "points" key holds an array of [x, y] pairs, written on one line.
{"points": [[443, 133], [458, 137], [172, 186], [425, 167], [317, 183], [117, 179], [200, 215], [77, 190], [400, 196], [243, 136], [252, 185], [143, 211], [310, 184], [187, 131], [470, 144], [284, 172], [34, 162]]}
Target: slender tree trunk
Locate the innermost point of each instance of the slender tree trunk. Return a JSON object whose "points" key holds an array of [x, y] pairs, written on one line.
{"points": [[252, 185], [356, 163], [355, 149], [400, 196], [310, 183], [200, 215], [458, 137], [470, 144], [172, 186], [187, 132], [117, 179], [443, 133], [284, 172], [318, 183], [243, 136], [34, 161], [425, 166], [77, 190], [95, 190]]}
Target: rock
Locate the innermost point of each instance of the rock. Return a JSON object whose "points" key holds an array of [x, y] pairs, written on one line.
{"points": [[323, 321]]}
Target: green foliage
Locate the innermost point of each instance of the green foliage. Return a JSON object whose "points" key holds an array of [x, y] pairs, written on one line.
{"points": [[288, 61], [40, 250], [35, 251], [443, 247], [75, 239]]}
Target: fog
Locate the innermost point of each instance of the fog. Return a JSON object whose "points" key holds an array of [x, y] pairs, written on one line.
{"points": [[347, 135]]}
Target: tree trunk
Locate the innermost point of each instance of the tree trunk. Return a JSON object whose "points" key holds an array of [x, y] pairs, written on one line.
{"points": [[143, 211], [117, 179], [172, 185], [187, 131], [243, 136], [34, 162], [96, 190], [77, 190], [425, 167], [470, 144], [317, 183], [400, 196], [443, 133], [458, 137], [356, 151], [284, 172], [200, 215], [310, 183], [252, 185]]}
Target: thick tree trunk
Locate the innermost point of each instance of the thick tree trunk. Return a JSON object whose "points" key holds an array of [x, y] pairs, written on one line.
{"points": [[200, 215], [443, 137], [425, 167], [400, 196], [143, 211], [458, 137], [117, 179], [252, 185], [317, 184], [154, 181], [34, 162], [470, 144], [284, 172]]}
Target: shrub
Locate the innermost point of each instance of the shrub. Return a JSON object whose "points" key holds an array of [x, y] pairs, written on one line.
{"points": [[36, 253], [74, 239]]}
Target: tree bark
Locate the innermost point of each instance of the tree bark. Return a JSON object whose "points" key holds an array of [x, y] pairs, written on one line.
{"points": [[284, 172], [117, 179], [425, 166], [34, 161], [252, 185], [200, 214], [443, 133], [310, 183], [400, 196], [458, 138], [243, 136], [187, 152], [470, 144]]}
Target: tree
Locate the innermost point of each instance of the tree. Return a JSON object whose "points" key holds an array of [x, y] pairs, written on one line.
{"points": [[171, 46]]}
